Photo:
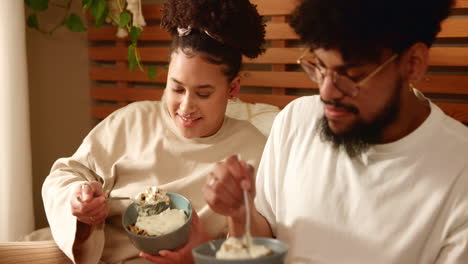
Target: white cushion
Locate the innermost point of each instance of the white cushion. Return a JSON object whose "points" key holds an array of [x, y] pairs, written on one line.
{"points": [[260, 115]]}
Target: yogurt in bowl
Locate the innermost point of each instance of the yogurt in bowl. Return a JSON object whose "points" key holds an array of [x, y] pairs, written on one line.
{"points": [[234, 248], [212, 252], [169, 229]]}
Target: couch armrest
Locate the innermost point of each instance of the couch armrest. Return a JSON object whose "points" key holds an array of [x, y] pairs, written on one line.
{"points": [[44, 252]]}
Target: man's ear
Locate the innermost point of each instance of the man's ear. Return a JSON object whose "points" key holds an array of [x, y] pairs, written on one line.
{"points": [[234, 87], [416, 60]]}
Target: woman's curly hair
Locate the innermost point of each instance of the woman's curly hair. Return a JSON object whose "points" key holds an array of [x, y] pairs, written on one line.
{"points": [[362, 29], [234, 28]]}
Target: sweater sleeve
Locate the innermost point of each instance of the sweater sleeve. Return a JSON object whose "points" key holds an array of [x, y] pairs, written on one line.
{"points": [[91, 162]]}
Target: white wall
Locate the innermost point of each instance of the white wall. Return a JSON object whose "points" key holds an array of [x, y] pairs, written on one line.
{"points": [[59, 98]]}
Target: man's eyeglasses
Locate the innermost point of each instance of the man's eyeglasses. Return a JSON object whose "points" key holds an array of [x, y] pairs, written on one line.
{"points": [[344, 83]]}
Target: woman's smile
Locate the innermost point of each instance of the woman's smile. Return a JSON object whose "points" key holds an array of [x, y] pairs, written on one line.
{"points": [[188, 121]]}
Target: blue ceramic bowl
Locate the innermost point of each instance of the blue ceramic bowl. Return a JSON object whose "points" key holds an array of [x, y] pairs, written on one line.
{"points": [[153, 244], [206, 253]]}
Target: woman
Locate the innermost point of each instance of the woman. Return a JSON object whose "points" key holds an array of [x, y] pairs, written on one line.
{"points": [[172, 144]]}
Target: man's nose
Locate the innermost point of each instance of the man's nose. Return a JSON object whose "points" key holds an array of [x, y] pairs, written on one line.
{"points": [[329, 91]]}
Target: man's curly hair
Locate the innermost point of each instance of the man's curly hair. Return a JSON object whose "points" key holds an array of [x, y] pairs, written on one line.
{"points": [[362, 29], [236, 26]]}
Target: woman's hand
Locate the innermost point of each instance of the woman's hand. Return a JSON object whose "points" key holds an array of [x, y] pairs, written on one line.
{"points": [[89, 203], [183, 255], [225, 184]]}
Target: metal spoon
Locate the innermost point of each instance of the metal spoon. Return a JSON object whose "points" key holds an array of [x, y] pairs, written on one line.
{"points": [[247, 235], [147, 209]]}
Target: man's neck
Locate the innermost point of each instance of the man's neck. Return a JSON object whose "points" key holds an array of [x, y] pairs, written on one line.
{"points": [[413, 112]]}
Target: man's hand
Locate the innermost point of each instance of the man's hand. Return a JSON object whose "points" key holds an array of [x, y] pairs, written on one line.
{"points": [[223, 191]]}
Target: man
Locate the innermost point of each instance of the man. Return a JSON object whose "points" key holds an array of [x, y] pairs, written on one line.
{"points": [[370, 171]]}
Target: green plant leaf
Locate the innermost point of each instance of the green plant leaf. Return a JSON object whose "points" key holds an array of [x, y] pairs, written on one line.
{"points": [[86, 4], [74, 23], [32, 21], [99, 11], [124, 19], [38, 5], [132, 58], [152, 72], [135, 34]]}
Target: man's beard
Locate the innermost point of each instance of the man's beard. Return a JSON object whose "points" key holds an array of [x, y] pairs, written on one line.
{"points": [[361, 136]]}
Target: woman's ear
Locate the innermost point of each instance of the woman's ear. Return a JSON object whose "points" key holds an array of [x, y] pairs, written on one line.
{"points": [[416, 60], [234, 87]]}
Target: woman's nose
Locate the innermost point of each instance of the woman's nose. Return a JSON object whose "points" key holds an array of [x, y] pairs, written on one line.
{"points": [[187, 105]]}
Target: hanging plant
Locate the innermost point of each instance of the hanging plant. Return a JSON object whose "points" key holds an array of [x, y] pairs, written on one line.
{"points": [[126, 15]]}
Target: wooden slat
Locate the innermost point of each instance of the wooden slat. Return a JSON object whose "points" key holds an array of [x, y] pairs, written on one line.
{"points": [[121, 65], [444, 84], [114, 74], [102, 111], [461, 4], [277, 56], [451, 28], [453, 56], [279, 31], [125, 94], [150, 33], [153, 54], [454, 28], [275, 7], [442, 56], [265, 8], [276, 79], [437, 84], [274, 31], [278, 20], [439, 56], [152, 11], [45, 252]]}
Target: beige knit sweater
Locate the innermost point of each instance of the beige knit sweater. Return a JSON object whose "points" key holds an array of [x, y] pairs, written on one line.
{"points": [[135, 147]]}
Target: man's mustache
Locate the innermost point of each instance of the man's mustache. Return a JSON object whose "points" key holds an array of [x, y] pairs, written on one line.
{"points": [[348, 108]]}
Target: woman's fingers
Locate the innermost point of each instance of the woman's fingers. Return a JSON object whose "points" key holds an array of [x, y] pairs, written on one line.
{"points": [[89, 190], [84, 208], [92, 208], [89, 203], [166, 259], [101, 214], [93, 216]]}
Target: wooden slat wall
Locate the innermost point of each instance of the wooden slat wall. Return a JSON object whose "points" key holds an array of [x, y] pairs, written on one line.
{"points": [[267, 79]]}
